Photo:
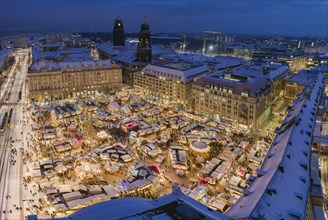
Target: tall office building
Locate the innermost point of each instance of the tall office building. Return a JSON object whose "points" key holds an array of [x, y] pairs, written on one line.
{"points": [[144, 46], [118, 33]]}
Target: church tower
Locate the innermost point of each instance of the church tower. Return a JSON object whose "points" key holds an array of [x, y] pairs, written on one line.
{"points": [[118, 33], [144, 46]]}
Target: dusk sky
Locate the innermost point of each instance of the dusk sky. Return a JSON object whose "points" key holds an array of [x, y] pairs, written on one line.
{"points": [[287, 17]]}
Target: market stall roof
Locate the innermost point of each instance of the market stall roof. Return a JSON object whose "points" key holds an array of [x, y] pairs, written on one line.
{"points": [[60, 206], [111, 191]]}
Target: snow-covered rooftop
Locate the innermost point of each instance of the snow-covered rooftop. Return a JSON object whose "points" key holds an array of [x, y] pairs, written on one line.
{"points": [[251, 78], [158, 50], [322, 68], [280, 71], [219, 62], [4, 53], [111, 50], [127, 54], [284, 175], [59, 53], [49, 65], [253, 85], [304, 77], [180, 71]]}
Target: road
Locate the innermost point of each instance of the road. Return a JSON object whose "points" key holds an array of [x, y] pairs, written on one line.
{"points": [[6, 86], [11, 195]]}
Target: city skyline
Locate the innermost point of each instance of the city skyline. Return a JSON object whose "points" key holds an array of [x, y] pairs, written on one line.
{"points": [[241, 17], [153, 109]]}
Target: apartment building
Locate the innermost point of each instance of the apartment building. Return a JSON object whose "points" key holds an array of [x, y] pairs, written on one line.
{"points": [[243, 95], [49, 80], [170, 83]]}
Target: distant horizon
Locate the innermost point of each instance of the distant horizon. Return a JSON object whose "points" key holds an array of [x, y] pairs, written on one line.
{"points": [[19, 33], [303, 18]]}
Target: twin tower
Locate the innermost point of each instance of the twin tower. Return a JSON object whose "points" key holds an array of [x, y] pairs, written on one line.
{"points": [[144, 46]]}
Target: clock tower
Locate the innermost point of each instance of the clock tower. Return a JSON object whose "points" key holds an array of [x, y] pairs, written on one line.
{"points": [[118, 33]]}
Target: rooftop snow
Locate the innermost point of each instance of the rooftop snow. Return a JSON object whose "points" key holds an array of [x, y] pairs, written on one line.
{"points": [[219, 62], [127, 53], [49, 65], [71, 55], [252, 85], [304, 77], [180, 71], [251, 78], [4, 53]]}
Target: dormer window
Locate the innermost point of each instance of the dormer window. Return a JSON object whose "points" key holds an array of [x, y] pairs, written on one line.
{"points": [[244, 94]]}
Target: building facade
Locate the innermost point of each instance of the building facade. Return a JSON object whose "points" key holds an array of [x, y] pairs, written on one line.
{"points": [[118, 33], [128, 70], [235, 98], [244, 94], [170, 83], [144, 45], [49, 80]]}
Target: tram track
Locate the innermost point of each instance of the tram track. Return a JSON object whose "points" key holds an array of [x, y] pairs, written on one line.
{"points": [[4, 166]]}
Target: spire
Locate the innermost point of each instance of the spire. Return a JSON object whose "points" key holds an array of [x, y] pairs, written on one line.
{"points": [[144, 25], [144, 46], [145, 19]]}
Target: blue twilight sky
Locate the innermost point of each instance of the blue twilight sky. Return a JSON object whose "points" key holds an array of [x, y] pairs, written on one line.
{"points": [[287, 17]]}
